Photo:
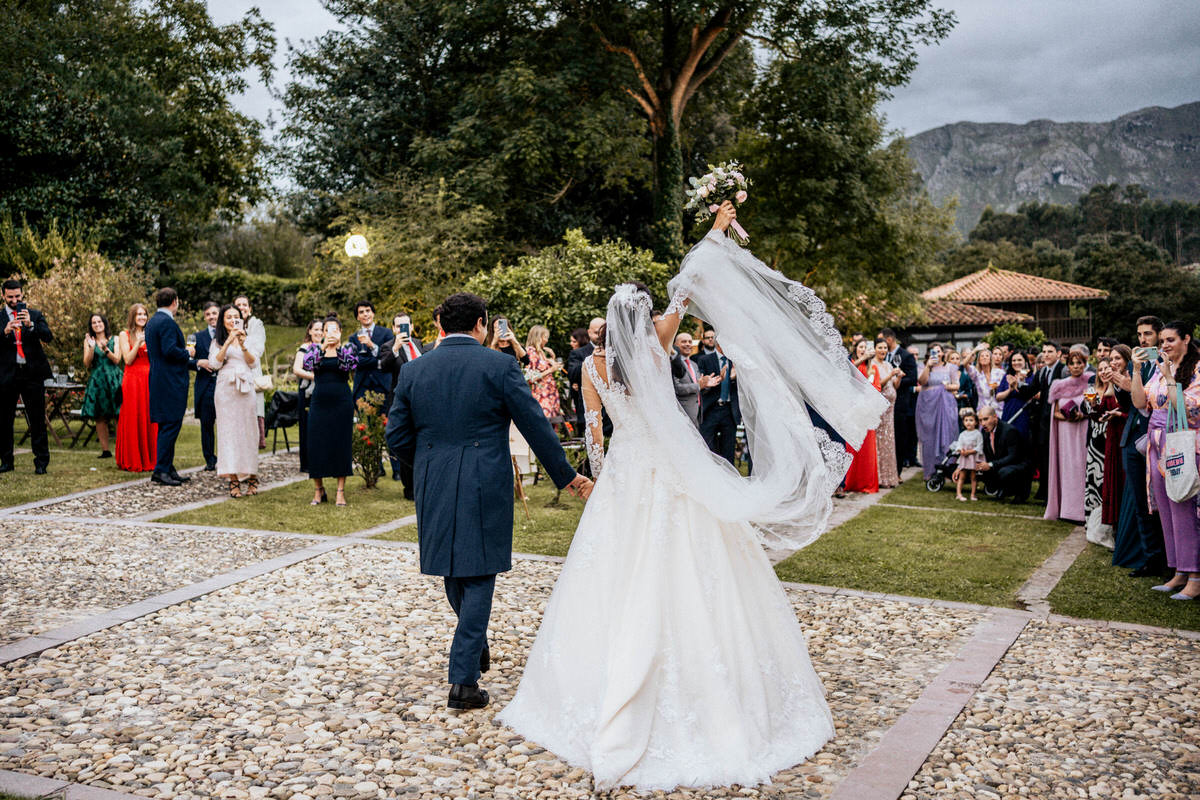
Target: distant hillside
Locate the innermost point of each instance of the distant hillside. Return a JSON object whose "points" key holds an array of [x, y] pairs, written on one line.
{"points": [[1004, 165]]}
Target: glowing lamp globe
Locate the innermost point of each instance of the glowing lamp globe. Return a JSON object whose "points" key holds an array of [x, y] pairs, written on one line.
{"points": [[356, 246]]}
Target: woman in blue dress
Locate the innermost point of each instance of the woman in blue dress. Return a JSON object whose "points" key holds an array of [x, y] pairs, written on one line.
{"points": [[1011, 396]]}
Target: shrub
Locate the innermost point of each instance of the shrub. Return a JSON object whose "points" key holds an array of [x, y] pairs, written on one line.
{"points": [[1022, 337], [369, 438], [25, 251], [273, 299], [71, 290]]}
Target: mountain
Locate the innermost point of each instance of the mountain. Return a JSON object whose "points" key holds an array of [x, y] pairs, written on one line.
{"points": [[1004, 165]]}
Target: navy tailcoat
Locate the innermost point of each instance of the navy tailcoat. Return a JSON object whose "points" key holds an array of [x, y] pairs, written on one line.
{"points": [[168, 368], [450, 419]]}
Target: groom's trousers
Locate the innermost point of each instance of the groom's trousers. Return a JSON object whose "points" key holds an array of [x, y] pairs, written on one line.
{"points": [[471, 599]]}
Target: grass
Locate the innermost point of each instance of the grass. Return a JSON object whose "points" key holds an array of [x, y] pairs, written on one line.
{"points": [[928, 553], [548, 531], [913, 493], [77, 469], [287, 509], [1094, 589]]}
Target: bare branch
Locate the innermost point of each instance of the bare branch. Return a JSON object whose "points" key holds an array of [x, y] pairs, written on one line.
{"points": [[561, 193], [700, 44], [644, 103], [708, 67], [650, 100]]}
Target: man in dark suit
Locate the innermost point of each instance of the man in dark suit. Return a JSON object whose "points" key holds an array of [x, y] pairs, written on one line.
{"points": [[450, 417], [406, 348], [205, 407], [1039, 410], [370, 342], [904, 415], [719, 409], [1006, 464], [575, 361], [168, 383], [24, 369]]}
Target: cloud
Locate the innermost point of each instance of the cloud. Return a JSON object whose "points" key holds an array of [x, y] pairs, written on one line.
{"points": [[1019, 60]]}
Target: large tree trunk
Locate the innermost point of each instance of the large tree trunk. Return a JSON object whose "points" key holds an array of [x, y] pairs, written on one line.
{"points": [[667, 224]]}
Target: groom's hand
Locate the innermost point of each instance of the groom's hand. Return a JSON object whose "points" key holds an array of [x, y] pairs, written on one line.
{"points": [[581, 487]]}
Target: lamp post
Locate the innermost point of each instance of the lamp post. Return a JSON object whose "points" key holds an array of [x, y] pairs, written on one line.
{"points": [[356, 248]]}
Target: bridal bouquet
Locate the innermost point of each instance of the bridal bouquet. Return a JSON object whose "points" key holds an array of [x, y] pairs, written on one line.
{"points": [[723, 182]]}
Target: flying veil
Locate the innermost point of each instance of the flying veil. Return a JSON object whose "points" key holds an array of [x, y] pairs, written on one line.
{"points": [[789, 358]]}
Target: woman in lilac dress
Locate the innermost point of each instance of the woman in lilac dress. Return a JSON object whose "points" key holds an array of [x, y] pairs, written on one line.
{"points": [[937, 410], [1067, 475]]}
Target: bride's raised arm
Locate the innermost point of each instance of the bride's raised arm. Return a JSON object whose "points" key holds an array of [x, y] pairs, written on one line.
{"points": [[668, 325]]}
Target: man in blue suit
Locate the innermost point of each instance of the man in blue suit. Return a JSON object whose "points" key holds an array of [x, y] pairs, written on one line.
{"points": [[203, 394], [168, 383], [371, 343], [720, 412], [450, 418]]}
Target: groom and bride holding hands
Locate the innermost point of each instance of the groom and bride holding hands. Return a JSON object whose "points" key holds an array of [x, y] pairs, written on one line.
{"points": [[669, 654]]}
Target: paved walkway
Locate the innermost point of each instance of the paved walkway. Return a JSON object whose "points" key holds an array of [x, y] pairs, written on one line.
{"points": [[151, 659]]}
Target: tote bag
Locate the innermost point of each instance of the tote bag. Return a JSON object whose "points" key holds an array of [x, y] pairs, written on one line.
{"points": [[1179, 453]]}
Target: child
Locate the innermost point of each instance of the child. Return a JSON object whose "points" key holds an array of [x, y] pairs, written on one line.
{"points": [[970, 453]]}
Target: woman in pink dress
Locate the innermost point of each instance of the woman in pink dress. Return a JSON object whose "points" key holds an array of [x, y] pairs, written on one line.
{"points": [[885, 435], [1066, 481], [540, 374], [137, 436]]}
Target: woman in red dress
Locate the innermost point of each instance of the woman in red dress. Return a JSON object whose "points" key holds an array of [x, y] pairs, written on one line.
{"points": [[864, 470], [137, 436]]}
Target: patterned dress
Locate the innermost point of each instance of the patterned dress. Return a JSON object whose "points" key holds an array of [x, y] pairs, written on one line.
{"points": [[885, 438], [544, 389], [1098, 531]]}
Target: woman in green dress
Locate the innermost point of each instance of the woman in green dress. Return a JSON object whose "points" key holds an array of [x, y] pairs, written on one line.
{"points": [[102, 400]]}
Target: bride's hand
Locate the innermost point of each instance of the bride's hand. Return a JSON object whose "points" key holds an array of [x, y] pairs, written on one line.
{"points": [[726, 214]]}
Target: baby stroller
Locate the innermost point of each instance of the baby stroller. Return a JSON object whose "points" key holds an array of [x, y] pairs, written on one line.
{"points": [[944, 471]]}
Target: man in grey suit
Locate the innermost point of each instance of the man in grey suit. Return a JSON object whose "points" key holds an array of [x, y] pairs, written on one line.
{"points": [[686, 377], [450, 419]]}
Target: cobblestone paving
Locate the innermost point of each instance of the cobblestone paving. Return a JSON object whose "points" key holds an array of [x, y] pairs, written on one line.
{"points": [[1077, 712], [326, 679], [145, 498], [54, 572]]}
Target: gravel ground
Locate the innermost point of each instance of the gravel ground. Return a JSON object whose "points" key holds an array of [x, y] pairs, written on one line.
{"points": [[145, 498], [52, 572], [326, 679], [1077, 712]]}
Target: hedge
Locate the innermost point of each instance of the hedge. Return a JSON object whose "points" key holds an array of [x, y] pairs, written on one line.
{"points": [[273, 299]]}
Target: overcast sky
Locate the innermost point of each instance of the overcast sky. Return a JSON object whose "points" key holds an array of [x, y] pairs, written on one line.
{"points": [[1005, 61]]}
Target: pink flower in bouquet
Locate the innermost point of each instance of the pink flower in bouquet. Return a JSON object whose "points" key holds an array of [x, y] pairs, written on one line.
{"points": [[740, 197], [714, 208], [703, 190]]}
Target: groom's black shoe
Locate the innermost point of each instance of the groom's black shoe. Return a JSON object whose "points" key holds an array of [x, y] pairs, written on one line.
{"points": [[164, 479], [466, 696], [180, 478], [485, 659]]}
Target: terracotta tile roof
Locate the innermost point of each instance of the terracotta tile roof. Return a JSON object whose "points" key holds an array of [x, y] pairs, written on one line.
{"points": [[992, 285], [948, 312]]}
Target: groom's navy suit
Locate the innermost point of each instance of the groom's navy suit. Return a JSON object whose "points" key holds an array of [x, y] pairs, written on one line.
{"points": [[450, 419]]}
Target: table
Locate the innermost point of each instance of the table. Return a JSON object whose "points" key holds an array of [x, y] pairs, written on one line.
{"points": [[57, 394]]}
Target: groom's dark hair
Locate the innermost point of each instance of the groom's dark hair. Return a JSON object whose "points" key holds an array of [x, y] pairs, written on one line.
{"points": [[460, 312]]}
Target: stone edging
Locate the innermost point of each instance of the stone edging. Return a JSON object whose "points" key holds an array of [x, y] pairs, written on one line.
{"points": [[1035, 591], [10, 510], [23, 785]]}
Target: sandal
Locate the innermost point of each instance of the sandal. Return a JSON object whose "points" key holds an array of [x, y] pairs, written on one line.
{"points": [[341, 498], [252, 485], [235, 488], [319, 497]]}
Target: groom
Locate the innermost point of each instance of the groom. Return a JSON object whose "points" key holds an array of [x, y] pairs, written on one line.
{"points": [[450, 419]]}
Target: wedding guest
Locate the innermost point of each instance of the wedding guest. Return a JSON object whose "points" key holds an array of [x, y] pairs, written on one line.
{"points": [[965, 394], [986, 375], [312, 341], [1136, 525], [863, 475], [1015, 396], [720, 412], [575, 371], [904, 419], [406, 348], [1052, 369], [542, 367], [937, 410], [256, 344], [1104, 346], [331, 412], [1098, 400], [1067, 456], [24, 369], [506, 342], [1178, 369], [204, 404], [1005, 468], [686, 377], [970, 455], [1115, 405], [369, 343], [889, 378], [168, 357], [102, 398], [237, 420], [708, 344], [137, 436]]}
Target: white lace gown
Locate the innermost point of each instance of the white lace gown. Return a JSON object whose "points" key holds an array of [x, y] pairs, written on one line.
{"points": [[669, 654]]}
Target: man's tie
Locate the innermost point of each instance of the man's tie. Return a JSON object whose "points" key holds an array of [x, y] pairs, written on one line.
{"points": [[20, 345], [724, 362], [413, 355], [687, 364]]}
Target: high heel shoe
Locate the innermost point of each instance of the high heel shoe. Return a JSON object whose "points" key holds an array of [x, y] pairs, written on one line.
{"points": [[252, 485], [342, 501], [320, 497], [1182, 596], [235, 488]]}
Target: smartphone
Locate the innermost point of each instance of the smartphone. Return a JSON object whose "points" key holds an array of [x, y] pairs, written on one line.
{"points": [[237, 323], [405, 328], [1149, 353], [502, 327], [21, 307]]}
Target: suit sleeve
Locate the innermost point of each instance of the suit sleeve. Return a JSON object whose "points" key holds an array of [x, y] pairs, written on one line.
{"points": [[172, 346], [400, 434], [532, 423], [575, 367], [685, 387], [908, 365]]}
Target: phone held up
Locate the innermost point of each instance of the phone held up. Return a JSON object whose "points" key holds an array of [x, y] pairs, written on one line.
{"points": [[502, 328], [1148, 354], [406, 329]]}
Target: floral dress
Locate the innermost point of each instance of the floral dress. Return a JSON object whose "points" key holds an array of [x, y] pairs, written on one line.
{"points": [[544, 389]]}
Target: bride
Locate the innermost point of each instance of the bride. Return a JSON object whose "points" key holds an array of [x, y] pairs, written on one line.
{"points": [[669, 654]]}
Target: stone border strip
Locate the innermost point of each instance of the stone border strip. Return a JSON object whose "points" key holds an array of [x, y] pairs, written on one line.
{"points": [[4, 512], [117, 616], [22, 785], [178, 526], [150, 516], [367, 533], [906, 745], [1035, 591]]}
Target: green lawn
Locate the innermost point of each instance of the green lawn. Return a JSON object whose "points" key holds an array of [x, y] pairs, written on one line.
{"points": [[77, 469], [913, 493], [934, 553], [287, 509], [1094, 589], [547, 532]]}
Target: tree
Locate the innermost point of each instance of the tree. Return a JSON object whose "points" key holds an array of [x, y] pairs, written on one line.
{"points": [[116, 115]]}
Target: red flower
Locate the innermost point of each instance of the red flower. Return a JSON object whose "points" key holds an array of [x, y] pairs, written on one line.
{"points": [[368, 442], [361, 427]]}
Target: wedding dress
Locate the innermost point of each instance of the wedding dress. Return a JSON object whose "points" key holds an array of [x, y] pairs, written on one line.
{"points": [[669, 654]]}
